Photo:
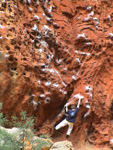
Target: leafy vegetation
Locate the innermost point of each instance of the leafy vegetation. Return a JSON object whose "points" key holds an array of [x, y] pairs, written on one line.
{"points": [[42, 143], [23, 138], [7, 141], [2, 119]]}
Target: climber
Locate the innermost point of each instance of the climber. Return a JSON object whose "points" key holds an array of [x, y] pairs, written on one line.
{"points": [[70, 119]]}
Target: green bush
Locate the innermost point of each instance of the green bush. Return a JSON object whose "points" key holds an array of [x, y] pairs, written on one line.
{"points": [[3, 120], [26, 134], [42, 143], [7, 141]]}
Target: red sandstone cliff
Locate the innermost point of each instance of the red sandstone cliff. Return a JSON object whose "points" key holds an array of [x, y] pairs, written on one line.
{"points": [[52, 50]]}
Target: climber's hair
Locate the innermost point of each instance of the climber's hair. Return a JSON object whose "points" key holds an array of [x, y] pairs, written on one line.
{"points": [[73, 106]]}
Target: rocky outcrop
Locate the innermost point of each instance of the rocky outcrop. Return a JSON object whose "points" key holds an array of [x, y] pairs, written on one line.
{"points": [[52, 52], [62, 145]]}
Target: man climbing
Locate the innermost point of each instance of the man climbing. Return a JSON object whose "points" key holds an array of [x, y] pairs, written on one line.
{"points": [[70, 119]]}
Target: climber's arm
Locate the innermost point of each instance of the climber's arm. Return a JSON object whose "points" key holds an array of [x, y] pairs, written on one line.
{"points": [[78, 105], [66, 106], [60, 115]]}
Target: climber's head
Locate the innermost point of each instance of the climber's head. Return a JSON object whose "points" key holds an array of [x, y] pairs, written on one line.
{"points": [[73, 107]]}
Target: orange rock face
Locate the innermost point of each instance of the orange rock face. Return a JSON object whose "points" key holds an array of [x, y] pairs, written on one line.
{"points": [[52, 52]]}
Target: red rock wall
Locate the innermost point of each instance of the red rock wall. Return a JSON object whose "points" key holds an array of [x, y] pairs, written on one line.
{"points": [[52, 50]]}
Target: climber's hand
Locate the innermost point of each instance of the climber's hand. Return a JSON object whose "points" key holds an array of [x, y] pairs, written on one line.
{"points": [[67, 104]]}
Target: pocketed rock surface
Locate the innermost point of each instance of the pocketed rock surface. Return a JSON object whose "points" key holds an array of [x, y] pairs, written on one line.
{"points": [[53, 52]]}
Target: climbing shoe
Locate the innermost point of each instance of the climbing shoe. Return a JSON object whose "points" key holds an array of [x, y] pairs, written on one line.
{"points": [[67, 136]]}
